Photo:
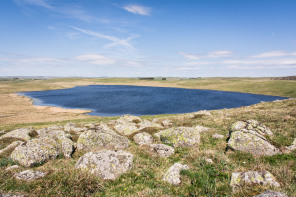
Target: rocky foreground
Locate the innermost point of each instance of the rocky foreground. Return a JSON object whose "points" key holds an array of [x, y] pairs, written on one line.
{"points": [[103, 148]]}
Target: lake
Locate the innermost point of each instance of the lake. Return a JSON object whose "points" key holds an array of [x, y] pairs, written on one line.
{"points": [[115, 100]]}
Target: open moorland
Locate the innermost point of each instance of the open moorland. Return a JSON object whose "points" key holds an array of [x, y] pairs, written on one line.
{"points": [[207, 153]]}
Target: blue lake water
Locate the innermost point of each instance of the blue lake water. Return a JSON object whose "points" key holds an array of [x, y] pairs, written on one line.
{"points": [[115, 100]]}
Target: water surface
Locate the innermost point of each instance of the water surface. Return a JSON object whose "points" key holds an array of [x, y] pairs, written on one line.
{"points": [[115, 100]]}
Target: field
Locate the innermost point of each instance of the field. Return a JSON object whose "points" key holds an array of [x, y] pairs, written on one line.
{"points": [[145, 179]]}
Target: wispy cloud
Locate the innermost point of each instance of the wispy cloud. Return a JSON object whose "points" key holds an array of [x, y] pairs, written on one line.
{"points": [[197, 63], [189, 56], [115, 41], [73, 11], [96, 59], [274, 54], [42, 3], [212, 54], [137, 9]]}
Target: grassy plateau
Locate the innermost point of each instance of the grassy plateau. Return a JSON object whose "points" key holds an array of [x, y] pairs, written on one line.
{"points": [[145, 178]]}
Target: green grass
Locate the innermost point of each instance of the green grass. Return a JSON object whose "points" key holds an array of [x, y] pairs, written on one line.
{"points": [[145, 178]]}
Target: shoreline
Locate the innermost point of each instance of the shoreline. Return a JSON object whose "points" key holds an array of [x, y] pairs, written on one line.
{"points": [[53, 108]]}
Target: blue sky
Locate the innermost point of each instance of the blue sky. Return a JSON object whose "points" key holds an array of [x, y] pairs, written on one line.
{"points": [[128, 38]]}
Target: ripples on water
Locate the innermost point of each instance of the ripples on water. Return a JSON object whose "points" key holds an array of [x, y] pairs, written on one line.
{"points": [[114, 100]]}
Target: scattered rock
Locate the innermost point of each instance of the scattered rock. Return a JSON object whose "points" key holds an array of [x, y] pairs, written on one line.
{"points": [[22, 133], [162, 150], [2, 132], [91, 139], [249, 137], [11, 146], [172, 176], [29, 175], [36, 151], [269, 193], [217, 136], [145, 124], [180, 136], [209, 161], [90, 125], [143, 138], [10, 168], [251, 178], [251, 125], [106, 164]]}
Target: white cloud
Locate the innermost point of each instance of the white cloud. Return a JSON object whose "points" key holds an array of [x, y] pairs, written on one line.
{"points": [[42, 3], [137, 9], [273, 54], [189, 56], [96, 59], [219, 54], [115, 41], [212, 54], [188, 68], [196, 63]]}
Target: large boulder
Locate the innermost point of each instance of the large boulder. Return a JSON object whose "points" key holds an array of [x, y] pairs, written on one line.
{"points": [[127, 125], [269, 193], [63, 139], [180, 136], [252, 178], [249, 136], [92, 139], [106, 164], [22, 133], [143, 138], [36, 151], [172, 176], [29, 175]]}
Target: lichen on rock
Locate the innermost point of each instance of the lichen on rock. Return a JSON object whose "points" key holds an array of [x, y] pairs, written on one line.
{"points": [[36, 151], [22, 133], [251, 178], [250, 137], [92, 139], [143, 138], [106, 164], [180, 136]]}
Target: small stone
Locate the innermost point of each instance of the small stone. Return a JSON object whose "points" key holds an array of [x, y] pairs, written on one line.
{"points": [[209, 161], [269, 193], [172, 176], [143, 138], [106, 164], [10, 168], [251, 178], [162, 150], [217, 136], [29, 175], [202, 113]]}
